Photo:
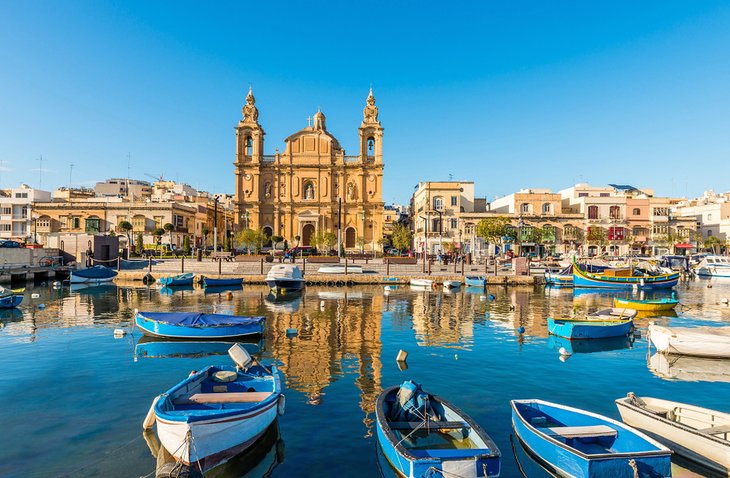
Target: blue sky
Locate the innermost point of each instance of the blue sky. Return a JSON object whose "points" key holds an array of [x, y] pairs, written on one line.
{"points": [[509, 94]]}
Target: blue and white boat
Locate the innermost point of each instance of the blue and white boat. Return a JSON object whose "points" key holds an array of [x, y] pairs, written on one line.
{"points": [[222, 282], [577, 443], [178, 280], [194, 325], [562, 278], [475, 281], [93, 275], [424, 436], [714, 266], [285, 277], [623, 279], [9, 299], [217, 413], [576, 329]]}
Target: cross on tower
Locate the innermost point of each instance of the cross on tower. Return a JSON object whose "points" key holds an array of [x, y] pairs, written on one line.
{"points": [[309, 121]]}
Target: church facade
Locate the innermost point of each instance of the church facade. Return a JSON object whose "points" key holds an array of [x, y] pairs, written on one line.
{"points": [[312, 186]]}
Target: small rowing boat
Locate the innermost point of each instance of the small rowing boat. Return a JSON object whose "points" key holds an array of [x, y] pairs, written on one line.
{"points": [[424, 436], [222, 282], [699, 434], [9, 299], [575, 329], [698, 341], [178, 280], [193, 325], [475, 281], [94, 275], [452, 284], [578, 443], [422, 283], [653, 305]]}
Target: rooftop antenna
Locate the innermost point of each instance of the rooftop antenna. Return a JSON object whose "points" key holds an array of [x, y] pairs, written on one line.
{"points": [[451, 177], [40, 172], [70, 175]]}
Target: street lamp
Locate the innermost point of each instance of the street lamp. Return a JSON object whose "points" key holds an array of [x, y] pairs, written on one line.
{"points": [[362, 244], [520, 225], [34, 217]]}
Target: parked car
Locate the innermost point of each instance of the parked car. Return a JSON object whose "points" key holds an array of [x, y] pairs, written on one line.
{"points": [[9, 243]]}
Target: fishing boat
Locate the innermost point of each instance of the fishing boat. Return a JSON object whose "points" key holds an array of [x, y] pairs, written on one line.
{"points": [[577, 443], [422, 283], [9, 299], [713, 266], [340, 269], [612, 313], [699, 434], [698, 341], [194, 325], [623, 279], [222, 282], [422, 435], [563, 278], [217, 413], [178, 280], [92, 275], [576, 329], [452, 284], [285, 277], [651, 305], [475, 281]]}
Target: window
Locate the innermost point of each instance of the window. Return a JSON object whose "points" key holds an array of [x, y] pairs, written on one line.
{"points": [[615, 233], [582, 195], [371, 146], [592, 212], [158, 221], [570, 232], [525, 208], [659, 229], [43, 222], [636, 211], [93, 225], [5, 227], [178, 220], [62, 221], [139, 223], [7, 210], [709, 217], [661, 211], [438, 203], [547, 208], [21, 195], [249, 147], [436, 225], [605, 195], [454, 224], [614, 212], [75, 222], [454, 200]]}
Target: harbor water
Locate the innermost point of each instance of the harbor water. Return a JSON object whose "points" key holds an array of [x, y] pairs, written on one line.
{"points": [[74, 397]]}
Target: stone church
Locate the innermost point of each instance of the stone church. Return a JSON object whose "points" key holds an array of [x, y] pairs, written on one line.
{"points": [[313, 186]]}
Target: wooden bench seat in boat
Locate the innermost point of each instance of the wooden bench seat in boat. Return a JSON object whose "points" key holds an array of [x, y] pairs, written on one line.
{"points": [[223, 397], [429, 425], [592, 431], [717, 430]]}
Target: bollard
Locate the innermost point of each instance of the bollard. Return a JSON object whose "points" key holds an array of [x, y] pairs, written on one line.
{"points": [[182, 265], [462, 267], [262, 267], [429, 266], [387, 267], [345, 265], [220, 265], [119, 263], [150, 264], [454, 266]]}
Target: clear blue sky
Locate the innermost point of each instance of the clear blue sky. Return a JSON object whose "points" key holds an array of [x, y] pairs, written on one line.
{"points": [[509, 94]]}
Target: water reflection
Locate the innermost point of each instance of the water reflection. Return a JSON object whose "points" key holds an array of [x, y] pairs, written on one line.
{"points": [[690, 369], [152, 347], [284, 301], [589, 346]]}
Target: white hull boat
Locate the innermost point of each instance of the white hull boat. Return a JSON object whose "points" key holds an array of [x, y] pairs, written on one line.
{"points": [[714, 266], [285, 277], [422, 283], [340, 269], [697, 341], [452, 284], [699, 434]]}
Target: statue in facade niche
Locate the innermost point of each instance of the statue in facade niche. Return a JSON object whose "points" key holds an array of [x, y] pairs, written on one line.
{"points": [[267, 190], [309, 191], [250, 112], [370, 113], [350, 191]]}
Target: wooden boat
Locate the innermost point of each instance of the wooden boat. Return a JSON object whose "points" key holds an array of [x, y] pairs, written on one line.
{"points": [[475, 281], [92, 275], [575, 329], [653, 305], [577, 443], [217, 413], [698, 341], [422, 435], [422, 283], [622, 279], [588, 346], [613, 313], [193, 325], [178, 280], [340, 269], [285, 277], [559, 279], [222, 282], [452, 284], [699, 434]]}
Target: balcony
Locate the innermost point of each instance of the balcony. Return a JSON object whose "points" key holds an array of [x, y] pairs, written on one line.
{"points": [[268, 158]]}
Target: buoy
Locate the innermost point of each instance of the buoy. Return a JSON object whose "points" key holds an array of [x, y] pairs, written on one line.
{"points": [[291, 332], [149, 420], [119, 333], [564, 352], [482, 298], [456, 356], [230, 295], [521, 329], [56, 284], [491, 297], [41, 306], [402, 356], [34, 295], [563, 358]]}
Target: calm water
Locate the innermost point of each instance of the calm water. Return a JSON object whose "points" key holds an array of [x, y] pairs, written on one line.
{"points": [[74, 397]]}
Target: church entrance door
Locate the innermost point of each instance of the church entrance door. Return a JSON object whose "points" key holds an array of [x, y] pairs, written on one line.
{"points": [[307, 232]]}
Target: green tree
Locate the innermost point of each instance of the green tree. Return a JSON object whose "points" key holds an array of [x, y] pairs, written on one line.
{"points": [[713, 243], [186, 245], [126, 227], [251, 239], [402, 237], [158, 233], [276, 240], [205, 233], [328, 241], [597, 236], [139, 246], [169, 228], [493, 229]]}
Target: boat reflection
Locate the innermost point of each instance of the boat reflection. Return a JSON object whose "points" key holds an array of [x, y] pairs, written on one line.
{"points": [[589, 346], [152, 347], [258, 461], [10, 315], [287, 302], [89, 288], [222, 289], [166, 290], [690, 369]]}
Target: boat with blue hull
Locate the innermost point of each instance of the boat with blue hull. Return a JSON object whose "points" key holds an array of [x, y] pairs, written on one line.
{"points": [[222, 282], [93, 275], [424, 436], [576, 329], [611, 280], [10, 301], [194, 325], [215, 414], [577, 443], [178, 280], [475, 281]]}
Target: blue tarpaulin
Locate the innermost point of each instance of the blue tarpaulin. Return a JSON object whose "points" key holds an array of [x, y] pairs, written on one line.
{"points": [[195, 319], [96, 272]]}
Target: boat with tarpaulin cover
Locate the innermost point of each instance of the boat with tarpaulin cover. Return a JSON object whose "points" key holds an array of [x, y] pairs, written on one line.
{"points": [[94, 274], [423, 436], [702, 341], [177, 280], [194, 325]]}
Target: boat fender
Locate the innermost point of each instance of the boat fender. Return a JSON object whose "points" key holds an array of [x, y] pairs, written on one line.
{"points": [[148, 279], [41, 306], [281, 405], [149, 420], [491, 298], [521, 329]]}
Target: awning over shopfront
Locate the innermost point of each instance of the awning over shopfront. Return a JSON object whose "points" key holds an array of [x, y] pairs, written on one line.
{"points": [[684, 245]]}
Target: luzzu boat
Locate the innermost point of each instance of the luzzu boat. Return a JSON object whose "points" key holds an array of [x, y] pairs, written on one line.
{"points": [[9, 299], [577, 443], [424, 436], [622, 279], [651, 305]]}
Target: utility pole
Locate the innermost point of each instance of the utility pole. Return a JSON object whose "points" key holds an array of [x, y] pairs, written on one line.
{"points": [[339, 228], [215, 224]]}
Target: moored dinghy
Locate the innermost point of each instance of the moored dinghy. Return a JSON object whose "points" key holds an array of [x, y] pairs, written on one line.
{"points": [[589, 329], [698, 341], [452, 284], [577, 443], [94, 275], [652, 305], [222, 282], [699, 434], [178, 280], [217, 413], [422, 283], [193, 325], [475, 281], [424, 436]]}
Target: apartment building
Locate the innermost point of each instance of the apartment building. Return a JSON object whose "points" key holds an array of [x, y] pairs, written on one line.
{"points": [[16, 220]]}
